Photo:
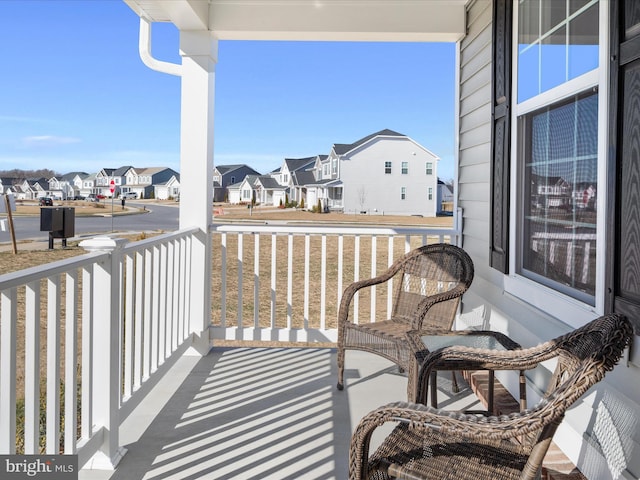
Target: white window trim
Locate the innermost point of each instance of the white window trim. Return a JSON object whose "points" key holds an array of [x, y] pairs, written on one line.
{"points": [[571, 310]]}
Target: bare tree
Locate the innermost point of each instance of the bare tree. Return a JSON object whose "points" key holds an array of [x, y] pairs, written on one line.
{"points": [[362, 197]]}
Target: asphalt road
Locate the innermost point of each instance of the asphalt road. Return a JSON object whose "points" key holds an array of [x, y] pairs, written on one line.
{"points": [[158, 217]]}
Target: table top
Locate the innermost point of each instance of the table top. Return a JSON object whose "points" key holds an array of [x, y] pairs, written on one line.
{"points": [[422, 343]]}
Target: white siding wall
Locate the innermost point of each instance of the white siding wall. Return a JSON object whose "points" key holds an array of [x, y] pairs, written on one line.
{"points": [[362, 174], [608, 419]]}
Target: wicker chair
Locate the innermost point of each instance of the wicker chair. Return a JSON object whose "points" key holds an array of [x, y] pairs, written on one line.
{"points": [[432, 444], [428, 284]]}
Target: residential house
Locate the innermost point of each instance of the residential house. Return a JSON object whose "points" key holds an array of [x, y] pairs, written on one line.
{"points": [[290, 176], [142, 180], [104, 178], [269, 191], [67, 186], [225, 175], [89, 185], [169, 189], [383, 173]]}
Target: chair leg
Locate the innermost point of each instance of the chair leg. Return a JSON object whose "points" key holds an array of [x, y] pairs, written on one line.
{"points": [[340, 385], [454, 382]]}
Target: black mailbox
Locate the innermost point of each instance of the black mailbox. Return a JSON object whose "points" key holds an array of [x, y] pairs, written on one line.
{"points": [[60, 222]]}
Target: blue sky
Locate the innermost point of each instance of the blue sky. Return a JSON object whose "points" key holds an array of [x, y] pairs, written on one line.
{"points": [[74, 94]]}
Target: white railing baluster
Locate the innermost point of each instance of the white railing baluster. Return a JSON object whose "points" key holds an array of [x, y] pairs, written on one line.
{"points": [[223, 280], [356, 277], [139, 322], [129, 299], [53, 366], [148, 314], [163, 302], [86, 426], [390, 282], [70, 360], [289, 280], [323, 284], [188, 241], [8, 315], [307, 255], [32, 369], [274, 258], [256, 281], [240, 289], [340, 268], [155, 307], [374, 260]]}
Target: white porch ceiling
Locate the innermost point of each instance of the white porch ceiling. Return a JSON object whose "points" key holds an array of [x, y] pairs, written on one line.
{"points": [[333, 20]]}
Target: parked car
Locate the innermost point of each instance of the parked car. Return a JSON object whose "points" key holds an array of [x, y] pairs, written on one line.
{"points": [[46, 202], [100, 196], [129, 195], [79, 197], [91, 198]]}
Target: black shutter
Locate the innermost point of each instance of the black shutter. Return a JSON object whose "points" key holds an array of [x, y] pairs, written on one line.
{"points": [[623, 232], [500, 134]]}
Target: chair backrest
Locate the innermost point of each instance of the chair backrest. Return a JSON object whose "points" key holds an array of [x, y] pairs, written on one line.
{"points": [[429, 270], [584, 356]]}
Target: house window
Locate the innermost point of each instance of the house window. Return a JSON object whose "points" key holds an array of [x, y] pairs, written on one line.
{"points": [[334, 164], [403, 193], [556, 145], [429, 169], [430, 193], [405, 168], [387, 167], [233, 180]]}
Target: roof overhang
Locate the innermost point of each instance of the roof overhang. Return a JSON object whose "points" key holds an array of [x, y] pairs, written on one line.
{"points": [[322, 20]]}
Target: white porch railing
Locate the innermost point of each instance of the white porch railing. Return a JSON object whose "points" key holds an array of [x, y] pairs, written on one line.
{"points": [[83, 340], [114, 320], [284, 283]]}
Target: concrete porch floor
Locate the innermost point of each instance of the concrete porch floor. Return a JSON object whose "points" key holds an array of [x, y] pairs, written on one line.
{"points": [[259, 413]]}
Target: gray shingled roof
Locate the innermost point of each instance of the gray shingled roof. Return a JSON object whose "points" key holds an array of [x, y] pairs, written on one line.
{"points": [[71, 175], [294, 164], [269, 182], [342, 148]]}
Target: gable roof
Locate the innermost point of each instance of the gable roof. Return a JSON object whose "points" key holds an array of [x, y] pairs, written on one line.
{"points": [[71, 175], [342, 148], [224, 169], [294, 164]]}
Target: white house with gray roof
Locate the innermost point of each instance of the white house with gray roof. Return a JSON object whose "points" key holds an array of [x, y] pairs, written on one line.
{"points": [[384, 173]]}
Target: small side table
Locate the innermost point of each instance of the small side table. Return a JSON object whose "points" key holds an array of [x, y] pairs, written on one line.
{"points": [[423, 343]]}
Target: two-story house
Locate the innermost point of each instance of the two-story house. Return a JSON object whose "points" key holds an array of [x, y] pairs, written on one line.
{"points": [[142, 180], [383, 173], [225, 175]]}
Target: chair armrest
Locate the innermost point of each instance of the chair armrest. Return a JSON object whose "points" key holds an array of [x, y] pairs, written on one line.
{"points": [[420, 416]]}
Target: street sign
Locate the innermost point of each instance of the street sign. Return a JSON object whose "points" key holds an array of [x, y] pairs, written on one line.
{"points": [[112, 187]]}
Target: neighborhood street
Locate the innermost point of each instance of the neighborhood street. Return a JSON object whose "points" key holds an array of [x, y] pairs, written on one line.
{"points": [[158, 218]]}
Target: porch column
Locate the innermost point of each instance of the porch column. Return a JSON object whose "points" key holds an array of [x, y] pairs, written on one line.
{"points": [[199, 53]]}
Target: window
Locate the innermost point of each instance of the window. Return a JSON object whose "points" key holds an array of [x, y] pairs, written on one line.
{"points": [[403, 193], [334, 164], [233, 180], [556, 145], [429, 169], [405, 168], [387, 167], [430, 193]]}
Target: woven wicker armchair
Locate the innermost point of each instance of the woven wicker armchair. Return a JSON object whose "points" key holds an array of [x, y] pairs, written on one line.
{"points": [[428, 283], [433, 444]]}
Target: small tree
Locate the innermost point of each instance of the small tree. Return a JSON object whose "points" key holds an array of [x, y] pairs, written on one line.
{"points": [[319, 206], [302, 202]]}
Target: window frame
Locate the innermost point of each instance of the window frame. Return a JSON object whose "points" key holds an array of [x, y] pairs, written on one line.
{"points": [[556, 303], [429, 168], [388, 167], [404, 168], [403, 193]]}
